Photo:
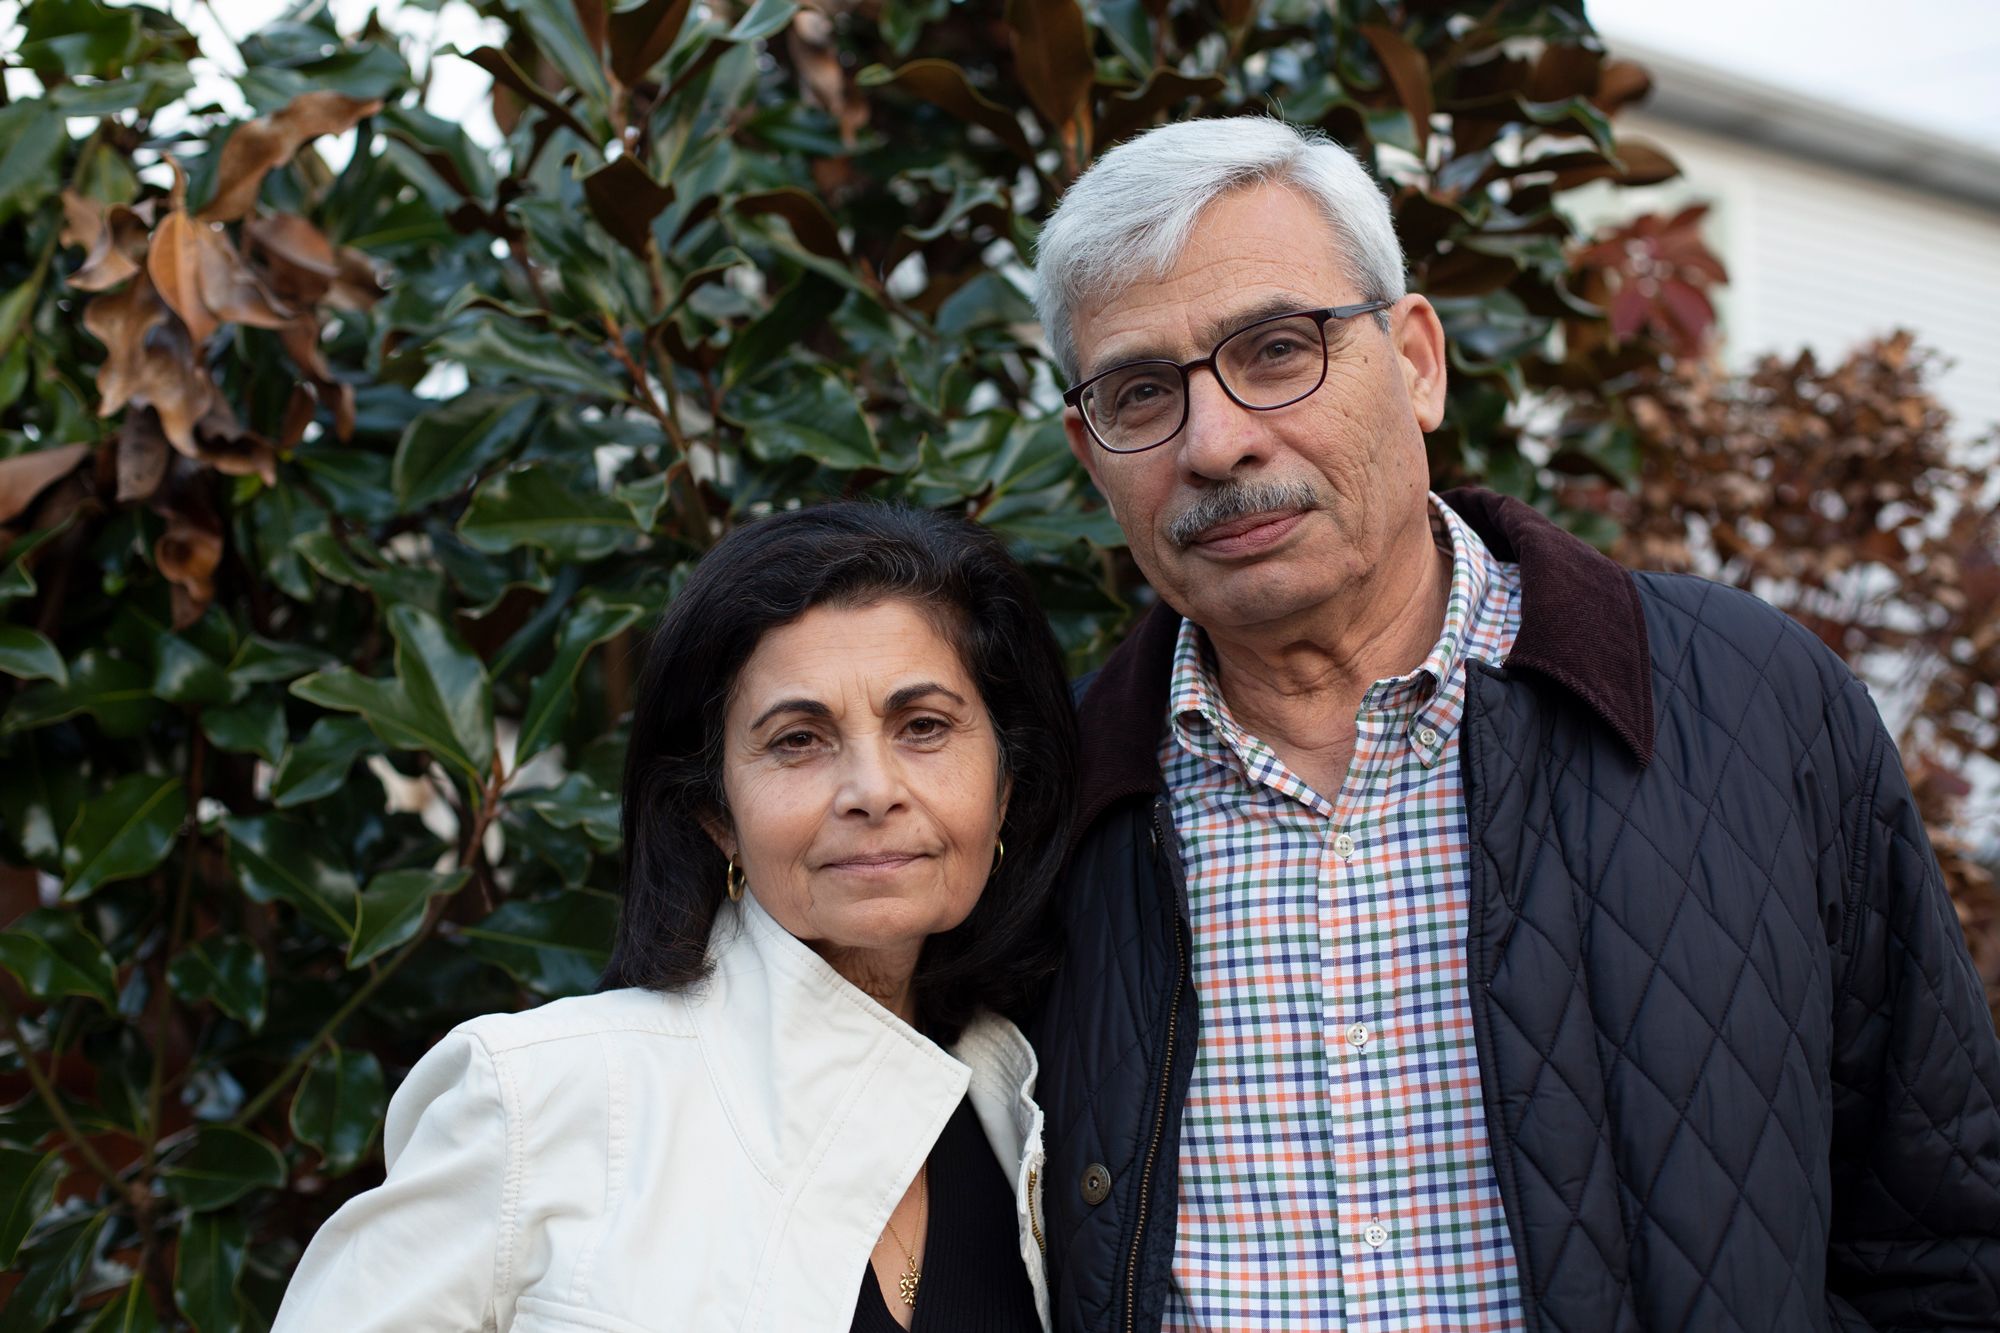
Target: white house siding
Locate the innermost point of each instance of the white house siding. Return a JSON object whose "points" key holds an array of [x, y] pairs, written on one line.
{"points": [[1824, 258]]}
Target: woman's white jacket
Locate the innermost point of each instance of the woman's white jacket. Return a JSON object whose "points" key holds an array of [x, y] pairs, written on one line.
{"points": [[720, 1159]]}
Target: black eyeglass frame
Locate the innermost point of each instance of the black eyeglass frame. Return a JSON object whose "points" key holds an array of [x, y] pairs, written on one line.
{"points": [[1073, 396]]}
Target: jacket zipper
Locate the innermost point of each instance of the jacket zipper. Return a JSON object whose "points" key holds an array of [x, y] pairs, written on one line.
{"points": [[1159, 1112], [1034, 1225]]}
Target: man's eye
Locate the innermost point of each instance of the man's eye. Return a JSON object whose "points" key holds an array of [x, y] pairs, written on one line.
{"points": [[1279, 348]]}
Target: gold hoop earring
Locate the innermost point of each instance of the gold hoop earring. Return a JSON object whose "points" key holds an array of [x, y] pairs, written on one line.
{"points": [[734, 882], [999, 855]]}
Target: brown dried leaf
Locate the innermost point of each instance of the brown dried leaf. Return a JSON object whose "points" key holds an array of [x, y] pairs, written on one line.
{"points": [[1052, 58], [815, 52], [228, 448], [299, 411], [1619, 84], [108, 234], [25, 476], [1409, 73], [122, 321], [260, 146], [811, 223], [626, 200], [174, 265], [187, 554], [297, 259], [944, 85], [359, 285], [142, 457], [640, 36]]}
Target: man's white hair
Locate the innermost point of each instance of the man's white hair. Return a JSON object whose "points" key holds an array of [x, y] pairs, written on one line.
{"points": [[1127, 218]]}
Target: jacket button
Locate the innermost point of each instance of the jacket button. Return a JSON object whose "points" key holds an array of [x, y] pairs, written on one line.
{"points": [[1096, 1184]]}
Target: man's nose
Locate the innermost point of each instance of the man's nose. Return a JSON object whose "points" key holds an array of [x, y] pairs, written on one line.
{"points": [[1221, 437]]}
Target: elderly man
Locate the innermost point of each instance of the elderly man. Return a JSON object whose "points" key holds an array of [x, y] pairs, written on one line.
{"points": [[1464, 932]]}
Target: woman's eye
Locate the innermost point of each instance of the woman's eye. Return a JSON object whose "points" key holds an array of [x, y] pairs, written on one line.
{"points": [[925, 728], [795, 740]]}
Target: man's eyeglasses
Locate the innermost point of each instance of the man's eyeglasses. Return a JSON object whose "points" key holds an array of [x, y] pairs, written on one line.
{"points": [[1263, 366]]}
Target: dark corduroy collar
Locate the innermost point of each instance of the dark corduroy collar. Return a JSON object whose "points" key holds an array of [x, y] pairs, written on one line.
{"points": [[1581, 627]]}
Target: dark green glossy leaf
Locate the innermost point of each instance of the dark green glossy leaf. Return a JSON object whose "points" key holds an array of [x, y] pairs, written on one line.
{"points": [[534, 506], [442, 450], [318, 764], [445, 679], [31, 146], [27, 1184], [226, 972], [591, 623], [51, 1266], [51, 954], [440, 700], [577, 802], [117, 692], [282, 860], [356, 484], [339, 1106], [813, 416], [393, 908], [223, 1165], [261, 661], [507, 350], [130, 1312], [28, 655], [557, 946], [209, 1265], [77, 37], [561, 40], [764, 19], [122, 834], [255, 726], [184, 674]]}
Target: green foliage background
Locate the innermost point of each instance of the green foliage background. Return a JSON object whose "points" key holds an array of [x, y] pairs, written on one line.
{"points": [[322, 565]]}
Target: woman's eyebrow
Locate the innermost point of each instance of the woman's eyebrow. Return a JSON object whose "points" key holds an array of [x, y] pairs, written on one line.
{"points": [[809, 707], [909, 694]]}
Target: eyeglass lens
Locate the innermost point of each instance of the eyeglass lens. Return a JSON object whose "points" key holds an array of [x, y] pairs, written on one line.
{"points": [[1266, 365]]}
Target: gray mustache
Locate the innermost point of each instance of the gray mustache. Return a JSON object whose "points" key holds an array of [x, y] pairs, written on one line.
{"points": [[1237, 499]]}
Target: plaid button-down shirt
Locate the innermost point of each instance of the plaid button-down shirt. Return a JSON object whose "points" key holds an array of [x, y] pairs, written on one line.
{"points": [[1335, 1172]]}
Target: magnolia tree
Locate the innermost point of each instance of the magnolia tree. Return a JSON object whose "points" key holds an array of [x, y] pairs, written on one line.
{"points": [[342, 458]]}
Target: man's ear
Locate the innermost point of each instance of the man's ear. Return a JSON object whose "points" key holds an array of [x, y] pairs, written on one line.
{"points": [[720, 833], [1419, 340], [1086, 452]]}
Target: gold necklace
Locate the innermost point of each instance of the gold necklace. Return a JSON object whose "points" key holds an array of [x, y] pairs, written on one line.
{"points": [[906, 1286]]}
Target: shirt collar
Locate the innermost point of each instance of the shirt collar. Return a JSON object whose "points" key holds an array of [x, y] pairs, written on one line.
{"points": [[1199, 715]]}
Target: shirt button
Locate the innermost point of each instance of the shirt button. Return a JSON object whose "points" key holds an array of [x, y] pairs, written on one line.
{"points": [[1357, 1036], [1427, 736], [1376, 1235], [1343, 846]]}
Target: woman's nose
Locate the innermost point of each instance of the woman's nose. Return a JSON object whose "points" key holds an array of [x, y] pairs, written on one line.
{"points": [[872, 782]]}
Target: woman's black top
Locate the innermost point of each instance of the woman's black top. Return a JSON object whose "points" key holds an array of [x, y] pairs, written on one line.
{"points": [[973, 1281]]}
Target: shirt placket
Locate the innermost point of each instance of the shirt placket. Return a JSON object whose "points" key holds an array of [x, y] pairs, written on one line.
{"points": [[1361, 917]]}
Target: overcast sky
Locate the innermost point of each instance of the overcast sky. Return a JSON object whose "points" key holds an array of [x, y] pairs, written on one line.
{"points": [[1929, 63]]}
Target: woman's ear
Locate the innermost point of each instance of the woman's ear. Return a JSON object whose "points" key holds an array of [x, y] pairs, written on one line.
{"points": [[720, 833]]}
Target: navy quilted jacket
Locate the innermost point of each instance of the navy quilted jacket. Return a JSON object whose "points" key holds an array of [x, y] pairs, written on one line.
{"points": [[1739, 1073]]}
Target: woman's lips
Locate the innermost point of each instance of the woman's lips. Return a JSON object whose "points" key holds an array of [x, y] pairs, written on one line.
{"points": [[1249, 536], [879, 863]]}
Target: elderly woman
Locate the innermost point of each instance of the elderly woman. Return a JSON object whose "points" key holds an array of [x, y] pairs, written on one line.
{"points": [[798, 1106]]}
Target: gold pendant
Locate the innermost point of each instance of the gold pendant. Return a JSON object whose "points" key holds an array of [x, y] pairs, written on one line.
{"points": [[907, 1284]]}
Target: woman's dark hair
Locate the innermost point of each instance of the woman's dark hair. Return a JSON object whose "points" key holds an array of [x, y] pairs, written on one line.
{"points": [[768, 573]]}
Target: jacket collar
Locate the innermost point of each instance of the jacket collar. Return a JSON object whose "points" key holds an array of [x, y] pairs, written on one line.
{"points": [[837, 1102], [1581, 628]]}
